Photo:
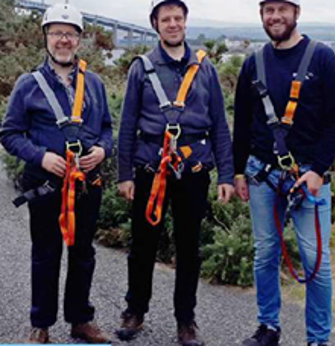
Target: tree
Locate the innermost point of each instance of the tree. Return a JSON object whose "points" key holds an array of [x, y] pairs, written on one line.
{"points": [[215, 50]]}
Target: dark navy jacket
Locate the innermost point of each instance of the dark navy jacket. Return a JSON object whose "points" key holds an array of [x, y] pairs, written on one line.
{"points": [[30, 129], [312, 137], [204, 112]]}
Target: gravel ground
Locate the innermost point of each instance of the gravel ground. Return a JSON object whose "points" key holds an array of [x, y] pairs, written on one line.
{"points": [[225, 315]]}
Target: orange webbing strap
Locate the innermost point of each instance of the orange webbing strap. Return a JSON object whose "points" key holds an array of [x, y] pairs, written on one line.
{"points": [[67, 218], [156, 200], [80, 91], [293, 103], [188, 79]]}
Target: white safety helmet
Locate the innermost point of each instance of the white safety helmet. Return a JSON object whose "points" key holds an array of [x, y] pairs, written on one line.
{"points": [[293, 2], [156, 3], [64, 14]]}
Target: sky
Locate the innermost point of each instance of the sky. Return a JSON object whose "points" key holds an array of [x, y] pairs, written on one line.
{"points": [[231, 11]]}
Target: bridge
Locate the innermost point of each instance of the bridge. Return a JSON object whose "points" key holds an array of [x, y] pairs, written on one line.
{"points": [[134, 34]]}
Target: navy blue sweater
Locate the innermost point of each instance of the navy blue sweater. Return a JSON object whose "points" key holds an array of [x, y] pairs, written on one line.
{"points": [[204, 112], [30, 129], [312, 137]]}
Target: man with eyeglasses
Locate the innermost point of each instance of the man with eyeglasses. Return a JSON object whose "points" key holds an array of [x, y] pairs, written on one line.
{"points": [[58, 122]]}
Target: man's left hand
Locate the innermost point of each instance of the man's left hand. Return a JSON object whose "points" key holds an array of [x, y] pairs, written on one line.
{"points": [[225, 192], [313, 181], [96, 155]]}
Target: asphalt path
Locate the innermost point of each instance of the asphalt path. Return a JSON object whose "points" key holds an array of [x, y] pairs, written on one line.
{"points": [[225, 315]]}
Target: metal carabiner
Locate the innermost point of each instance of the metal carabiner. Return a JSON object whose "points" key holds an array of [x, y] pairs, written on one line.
{"points": [[289, 165], [75, 147]]}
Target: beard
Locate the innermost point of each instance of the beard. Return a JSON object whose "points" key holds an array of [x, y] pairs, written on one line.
{"points": [[283, 36], [174, 44]]}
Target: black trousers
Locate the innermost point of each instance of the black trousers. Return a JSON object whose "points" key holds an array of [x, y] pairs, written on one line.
{"points": [[47, 244], [188, 198]]}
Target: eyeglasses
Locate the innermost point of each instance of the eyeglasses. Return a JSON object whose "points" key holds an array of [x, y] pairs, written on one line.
{"points": [[58, 35]]}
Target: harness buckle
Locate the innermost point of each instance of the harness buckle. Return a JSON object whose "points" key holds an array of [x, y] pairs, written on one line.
{"points": [[287, 162], [63, 121], [174, 130], [261, 88], [75, 147], [165, 105]]}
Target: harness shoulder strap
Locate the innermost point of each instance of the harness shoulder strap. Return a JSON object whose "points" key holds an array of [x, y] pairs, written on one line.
{"points": [[185, 86], [188, 79], [53, 102], [80, 91], [51, 97], [156, 83], [306, 60], [260, 66], [261, 86]]}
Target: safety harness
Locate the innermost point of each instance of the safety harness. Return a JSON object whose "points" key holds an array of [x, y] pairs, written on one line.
{"points": [[280, 129], [70, 127], [171, 161]]}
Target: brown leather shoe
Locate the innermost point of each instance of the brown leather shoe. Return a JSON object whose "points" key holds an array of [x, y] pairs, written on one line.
{"points": [[131, 325], [90, 332], [38, 336], [188, 334]]}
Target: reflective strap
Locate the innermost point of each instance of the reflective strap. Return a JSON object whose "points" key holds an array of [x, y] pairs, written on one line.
{"points": [[80, 91], [156, 84], [67, 218], [51, 97], [188, 79]]}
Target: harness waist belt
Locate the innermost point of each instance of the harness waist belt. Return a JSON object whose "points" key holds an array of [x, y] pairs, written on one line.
{"points": [[33, 194], [184, 139]]}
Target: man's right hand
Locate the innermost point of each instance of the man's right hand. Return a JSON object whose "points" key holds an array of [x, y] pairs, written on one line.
{"points": [[242, 188], [54, 163], [127, 189]]}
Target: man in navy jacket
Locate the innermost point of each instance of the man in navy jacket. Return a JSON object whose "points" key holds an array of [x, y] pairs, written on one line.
{"points": [[30, 132], [205, 132]]}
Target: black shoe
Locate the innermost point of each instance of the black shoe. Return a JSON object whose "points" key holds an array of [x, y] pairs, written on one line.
{"points": [[264, 336], [188, 334], [131, 325], [315, 344]]}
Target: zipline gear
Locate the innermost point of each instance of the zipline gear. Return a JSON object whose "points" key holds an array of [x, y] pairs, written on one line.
{"points": [[70, 128], [304, 193], [280, 129], [172, 112], [156, 3], [293, 2], [63, 14], [170, 159]]}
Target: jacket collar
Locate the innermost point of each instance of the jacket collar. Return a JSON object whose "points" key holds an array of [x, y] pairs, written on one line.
{"points": [[160, 56]]}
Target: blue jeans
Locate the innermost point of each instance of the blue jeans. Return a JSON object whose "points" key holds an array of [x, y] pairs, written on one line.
{"points": [[268, 253]]}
